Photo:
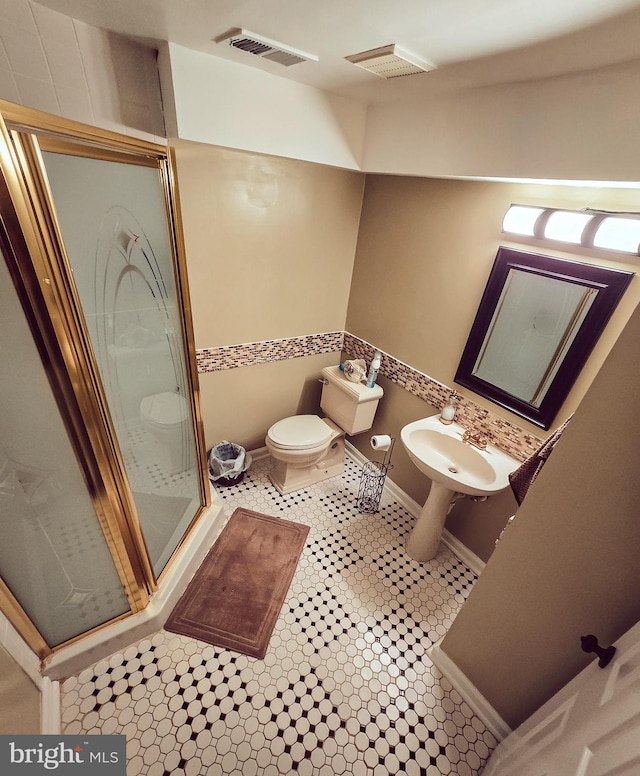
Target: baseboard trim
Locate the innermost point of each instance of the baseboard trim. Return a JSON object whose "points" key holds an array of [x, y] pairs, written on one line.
{"points": [[258, 453], [460, 550], [480, 705]]}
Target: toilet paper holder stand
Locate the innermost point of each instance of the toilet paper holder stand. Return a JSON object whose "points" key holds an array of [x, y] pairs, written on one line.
{"points": [[372, 480]]}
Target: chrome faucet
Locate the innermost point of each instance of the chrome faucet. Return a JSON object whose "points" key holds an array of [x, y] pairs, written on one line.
{"points": [[475, 438]]}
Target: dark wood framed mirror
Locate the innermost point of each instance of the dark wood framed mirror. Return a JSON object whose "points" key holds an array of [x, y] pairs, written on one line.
{"points": [[538, 320]]}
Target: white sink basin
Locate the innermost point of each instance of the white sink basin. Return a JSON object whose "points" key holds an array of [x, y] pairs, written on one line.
{"points": [[439, 452], [456, 469]]}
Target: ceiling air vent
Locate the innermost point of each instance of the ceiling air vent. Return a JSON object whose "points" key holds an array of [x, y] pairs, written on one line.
{"points": [[265, 47], [390, 62]]}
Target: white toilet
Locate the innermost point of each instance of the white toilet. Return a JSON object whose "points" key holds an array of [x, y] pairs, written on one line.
{"points": [[166, 417], [307, 448]]}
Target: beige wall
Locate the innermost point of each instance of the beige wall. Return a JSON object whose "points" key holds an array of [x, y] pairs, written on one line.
{"points": [[270, 250], [270, 246], [425, 250], [568, 564], [270, 243], [241, 404]]}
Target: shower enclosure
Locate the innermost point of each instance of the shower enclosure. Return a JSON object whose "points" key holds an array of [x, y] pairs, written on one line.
{"points": [[102, 463]]}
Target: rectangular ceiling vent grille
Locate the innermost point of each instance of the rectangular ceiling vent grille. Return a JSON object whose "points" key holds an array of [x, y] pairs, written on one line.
{"points": [[390, 62], [259, 46]]}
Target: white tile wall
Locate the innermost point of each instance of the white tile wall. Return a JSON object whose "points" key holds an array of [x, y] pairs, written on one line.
{"points": [[59, 65]]}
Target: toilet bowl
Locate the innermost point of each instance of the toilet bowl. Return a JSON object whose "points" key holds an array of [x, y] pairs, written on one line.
{"points": [[166, 416], [308, 448]]}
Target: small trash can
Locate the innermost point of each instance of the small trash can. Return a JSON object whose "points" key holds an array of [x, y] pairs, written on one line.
{"points": [[227, 464]]}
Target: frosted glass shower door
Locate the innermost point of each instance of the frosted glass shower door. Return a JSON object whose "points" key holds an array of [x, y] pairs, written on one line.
{"points": [[53, 554], [113, 219]]}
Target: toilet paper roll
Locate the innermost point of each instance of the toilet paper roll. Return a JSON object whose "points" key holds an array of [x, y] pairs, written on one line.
{"points": [[381, 442]]}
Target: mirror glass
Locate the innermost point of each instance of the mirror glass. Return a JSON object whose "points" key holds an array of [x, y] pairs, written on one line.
{"points": [[538, 320]]}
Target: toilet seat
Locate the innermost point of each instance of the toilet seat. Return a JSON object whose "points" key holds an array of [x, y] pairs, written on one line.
{"points": [[164, 409], [300, 432]]}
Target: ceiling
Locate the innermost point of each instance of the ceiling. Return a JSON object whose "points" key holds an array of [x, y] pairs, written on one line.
{"points": [[472, 42]]}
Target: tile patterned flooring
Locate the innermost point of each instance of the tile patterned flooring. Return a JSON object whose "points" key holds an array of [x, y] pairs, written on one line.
{"points": [[346, 686]]}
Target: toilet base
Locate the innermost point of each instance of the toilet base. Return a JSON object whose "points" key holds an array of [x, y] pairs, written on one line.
{"points": [[288, 478]]}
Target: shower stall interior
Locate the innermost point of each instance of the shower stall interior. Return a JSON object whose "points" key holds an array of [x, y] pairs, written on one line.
{"points": [[102, 462]]}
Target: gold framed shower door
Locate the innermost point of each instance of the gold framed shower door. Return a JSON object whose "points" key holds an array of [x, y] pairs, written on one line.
{"points": [[42, 274]]}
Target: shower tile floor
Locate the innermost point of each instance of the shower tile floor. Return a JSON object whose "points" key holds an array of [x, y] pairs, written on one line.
{"points": [[346, 686], [146, 474]]}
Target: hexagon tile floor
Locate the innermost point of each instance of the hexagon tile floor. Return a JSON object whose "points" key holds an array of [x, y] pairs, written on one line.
{"points": [[345, 687]]}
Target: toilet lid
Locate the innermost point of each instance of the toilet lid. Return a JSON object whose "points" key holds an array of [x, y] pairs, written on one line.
{"points": [[165, 409], [300, 432]]}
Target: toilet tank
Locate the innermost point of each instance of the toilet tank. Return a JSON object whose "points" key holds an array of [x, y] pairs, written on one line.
{"points": [[351, 405]]}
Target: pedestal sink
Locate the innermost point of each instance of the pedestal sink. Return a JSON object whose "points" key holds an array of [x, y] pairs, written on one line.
{"points": [[455, 468]]}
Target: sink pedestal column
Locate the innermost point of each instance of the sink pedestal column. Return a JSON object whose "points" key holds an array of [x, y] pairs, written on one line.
{"points": [[424, 540]]}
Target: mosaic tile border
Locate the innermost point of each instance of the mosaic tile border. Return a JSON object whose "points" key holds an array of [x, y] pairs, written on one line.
{"points": [[499, 431], [250, 353]]}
